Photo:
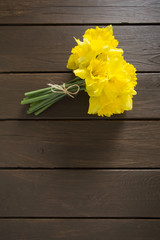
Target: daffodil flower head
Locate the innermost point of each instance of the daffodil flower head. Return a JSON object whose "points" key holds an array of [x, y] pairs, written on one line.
{"points": [[109, 79], [95, 41]]}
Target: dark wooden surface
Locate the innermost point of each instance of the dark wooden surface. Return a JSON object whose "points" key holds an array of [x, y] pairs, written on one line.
{"points": [[146, 102], [47, 48], [71, 229], [67, 175], [80, 193], [77, 144], [48, 11]]}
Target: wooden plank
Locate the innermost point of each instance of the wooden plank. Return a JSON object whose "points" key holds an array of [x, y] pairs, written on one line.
{"points": [[146, 102], [52, 12], [85, 229], [9, 5], [80, 144], [47, 48], [80, 193]]}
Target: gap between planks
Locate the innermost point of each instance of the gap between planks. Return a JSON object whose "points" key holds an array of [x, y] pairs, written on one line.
{"points": [[84, 218], [78, 24], [119, 169]]}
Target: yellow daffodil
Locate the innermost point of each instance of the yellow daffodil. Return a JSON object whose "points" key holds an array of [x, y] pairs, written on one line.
{"points": [[94, 42], [109, 79], [100, 70]]}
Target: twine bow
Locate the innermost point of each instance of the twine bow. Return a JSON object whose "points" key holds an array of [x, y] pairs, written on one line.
{"points": [[63, 89]]}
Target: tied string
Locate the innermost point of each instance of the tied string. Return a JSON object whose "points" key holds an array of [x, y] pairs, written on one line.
{"points": [[55, 88]]}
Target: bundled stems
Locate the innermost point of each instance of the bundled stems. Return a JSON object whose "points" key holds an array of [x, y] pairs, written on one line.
{"points": [[42, 99]]}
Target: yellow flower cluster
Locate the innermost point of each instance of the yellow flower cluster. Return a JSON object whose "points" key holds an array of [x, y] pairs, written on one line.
{"points": [[109, 79]]}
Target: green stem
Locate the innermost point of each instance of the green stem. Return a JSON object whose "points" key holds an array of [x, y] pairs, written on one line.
{"points": [[36, 99], [43, 90], [28, 94], [47, 106], [43, 103], [41, 99]]}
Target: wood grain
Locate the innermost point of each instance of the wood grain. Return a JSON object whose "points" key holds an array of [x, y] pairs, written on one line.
{"points": [[86, 229], [146, 103], [81, 12], [95, 157], [80, 193], [47, 48], [77, 144], [78, 3]]}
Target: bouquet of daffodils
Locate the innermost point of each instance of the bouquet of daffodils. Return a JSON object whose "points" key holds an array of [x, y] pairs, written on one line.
{"points": [[100, 70]]}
